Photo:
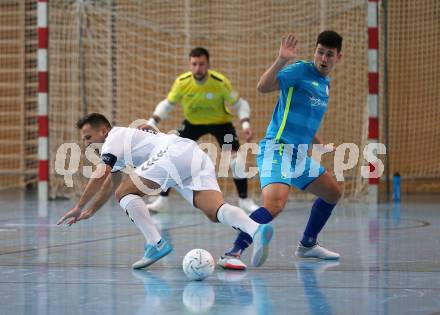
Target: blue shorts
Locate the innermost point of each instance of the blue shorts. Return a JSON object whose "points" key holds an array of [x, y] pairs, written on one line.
{"points": [[286, 163]]}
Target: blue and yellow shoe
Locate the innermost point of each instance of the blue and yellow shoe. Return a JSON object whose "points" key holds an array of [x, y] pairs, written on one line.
{"points": [[262, 238], [153, 253]]}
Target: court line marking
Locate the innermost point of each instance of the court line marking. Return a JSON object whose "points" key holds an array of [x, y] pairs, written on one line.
{"points": [[94, 240], [29, 224]]}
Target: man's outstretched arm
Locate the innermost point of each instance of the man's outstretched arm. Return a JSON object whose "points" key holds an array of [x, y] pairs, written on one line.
{"points": [[107, 190], [268, 81], [93, 186]]}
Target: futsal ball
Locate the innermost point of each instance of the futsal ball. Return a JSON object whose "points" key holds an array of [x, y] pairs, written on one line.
{"points": [[198, 264]]}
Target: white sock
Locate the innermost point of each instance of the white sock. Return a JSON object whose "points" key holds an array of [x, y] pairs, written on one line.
{"points": [[237, 218], [138, 211]]}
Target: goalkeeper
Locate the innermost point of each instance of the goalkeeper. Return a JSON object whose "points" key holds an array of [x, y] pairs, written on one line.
{"points": [[204, 95]]}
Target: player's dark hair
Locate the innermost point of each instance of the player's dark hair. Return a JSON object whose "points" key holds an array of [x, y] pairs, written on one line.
{"points": [[198, 52], [330, 39], [94, 119]]}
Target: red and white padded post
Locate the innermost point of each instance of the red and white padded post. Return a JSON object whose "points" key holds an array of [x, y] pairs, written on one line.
{"points": [[373, 91], [43, 89]]}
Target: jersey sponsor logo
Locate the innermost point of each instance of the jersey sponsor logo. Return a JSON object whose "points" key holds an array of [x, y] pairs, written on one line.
{"points": [[317, 102], [233, 95], [150, 130], [209, 95]]}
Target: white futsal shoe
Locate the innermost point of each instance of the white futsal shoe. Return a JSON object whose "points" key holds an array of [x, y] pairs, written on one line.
{"points": [[316, 251], [247, 204], [160, 204], [231, 262]]}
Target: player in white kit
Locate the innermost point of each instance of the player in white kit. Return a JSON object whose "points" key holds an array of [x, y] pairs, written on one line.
{"points": [[154, 162]]}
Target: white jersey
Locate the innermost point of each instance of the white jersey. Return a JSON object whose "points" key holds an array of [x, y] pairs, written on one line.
{"points": [[168, 160], [131, 147]]}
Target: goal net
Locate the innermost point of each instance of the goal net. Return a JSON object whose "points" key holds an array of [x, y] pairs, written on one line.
{"points": [[18, 93], [120, 57], [412, 94]]}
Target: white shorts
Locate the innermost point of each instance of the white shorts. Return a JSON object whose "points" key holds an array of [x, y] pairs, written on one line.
{"points": [[182, 165]]}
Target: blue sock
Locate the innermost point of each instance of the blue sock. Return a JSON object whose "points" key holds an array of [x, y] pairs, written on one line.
{"points": [[319, 215], [243, 240]]}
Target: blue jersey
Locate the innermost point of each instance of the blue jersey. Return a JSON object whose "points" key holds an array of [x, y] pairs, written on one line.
{"points": [[301, 105]]}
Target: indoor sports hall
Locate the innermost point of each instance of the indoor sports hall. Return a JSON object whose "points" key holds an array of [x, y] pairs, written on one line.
{"points": [[63, 59]]}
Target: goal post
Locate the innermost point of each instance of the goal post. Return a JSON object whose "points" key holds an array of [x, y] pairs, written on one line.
{"points": [[43, 92]]}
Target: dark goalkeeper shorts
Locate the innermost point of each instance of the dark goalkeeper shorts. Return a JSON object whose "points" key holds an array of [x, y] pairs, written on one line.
{"points": [[224, 133]]}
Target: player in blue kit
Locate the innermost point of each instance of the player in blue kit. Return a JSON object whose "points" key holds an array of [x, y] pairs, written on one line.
{"points": [[282, 159]]}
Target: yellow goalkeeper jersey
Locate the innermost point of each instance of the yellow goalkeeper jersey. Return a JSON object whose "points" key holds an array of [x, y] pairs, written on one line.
{"points": [[205, 103]]}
